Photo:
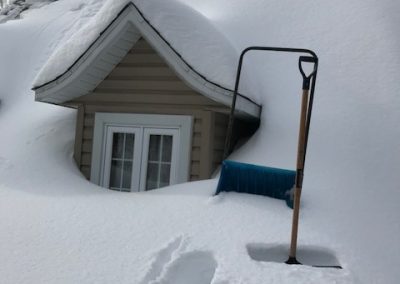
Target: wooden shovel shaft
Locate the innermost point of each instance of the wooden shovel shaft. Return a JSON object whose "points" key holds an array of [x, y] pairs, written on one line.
{"points": [[299, 174]]}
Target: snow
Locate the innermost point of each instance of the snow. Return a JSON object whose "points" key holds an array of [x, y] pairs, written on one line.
{"points": [[350, 186], [183, 27], [56, 227]]}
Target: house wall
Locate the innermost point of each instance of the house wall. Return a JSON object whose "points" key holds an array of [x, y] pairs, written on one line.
{"points": [[219, 134], [143, 83], [242, 130]]}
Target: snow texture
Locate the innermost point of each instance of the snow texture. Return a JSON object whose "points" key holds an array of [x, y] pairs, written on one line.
{"points": [[56, 227], [10, 10], [13, 11]]}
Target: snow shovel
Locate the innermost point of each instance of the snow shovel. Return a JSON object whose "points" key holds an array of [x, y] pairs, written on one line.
{"points": [[305, 116]]}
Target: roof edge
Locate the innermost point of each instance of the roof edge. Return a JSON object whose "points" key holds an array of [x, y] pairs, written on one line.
{"points": [[34, 88], [206, 88]]}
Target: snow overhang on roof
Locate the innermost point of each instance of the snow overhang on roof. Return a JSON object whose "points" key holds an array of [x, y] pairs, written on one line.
{"points": [[110, 47]]}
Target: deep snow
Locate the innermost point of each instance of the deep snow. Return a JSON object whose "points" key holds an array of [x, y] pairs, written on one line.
{"points": [[55, 227]]}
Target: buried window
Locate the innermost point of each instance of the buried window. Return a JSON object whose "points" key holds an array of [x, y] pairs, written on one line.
{"points": [[158, 170], [121, 161], [141, 152], [122, 158]]}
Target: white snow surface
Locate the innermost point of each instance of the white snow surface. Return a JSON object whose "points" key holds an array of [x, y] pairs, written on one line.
{"points": [[56, 227]]}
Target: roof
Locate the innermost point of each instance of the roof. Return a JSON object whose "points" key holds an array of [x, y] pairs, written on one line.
{"points": [[108, 48]]}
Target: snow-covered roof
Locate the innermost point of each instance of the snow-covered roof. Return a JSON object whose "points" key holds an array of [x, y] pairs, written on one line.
{"points": [[194, 48]]}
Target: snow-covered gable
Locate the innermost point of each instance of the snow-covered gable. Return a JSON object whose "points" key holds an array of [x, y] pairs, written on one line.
{"points": [[199, 54]]}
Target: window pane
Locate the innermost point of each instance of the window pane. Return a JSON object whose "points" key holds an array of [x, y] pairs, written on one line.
{"points": [[167, 148], [129, 146], [118, 144], [115, 174], [152, 176], [154, 147], [165, 174], [127, 175]]}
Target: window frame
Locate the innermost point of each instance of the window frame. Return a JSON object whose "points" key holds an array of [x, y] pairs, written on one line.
{"points": [[174, 157], [106, 165], [105, 121]]}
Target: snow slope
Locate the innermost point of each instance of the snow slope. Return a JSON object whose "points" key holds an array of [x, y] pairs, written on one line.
{"points": [[351, 188], [55, 227]]}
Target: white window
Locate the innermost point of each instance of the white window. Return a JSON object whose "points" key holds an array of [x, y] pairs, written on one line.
{"points": [[160, 162], [122, 156], [137, 152]]}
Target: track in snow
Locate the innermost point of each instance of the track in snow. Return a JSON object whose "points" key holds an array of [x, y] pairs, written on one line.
{"points": [[174, 266]]}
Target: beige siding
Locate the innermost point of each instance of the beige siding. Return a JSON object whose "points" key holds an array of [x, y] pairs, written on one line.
{"points": [[79, 135], [219, 134], [143, 83], [241, 132], [142, 77]]}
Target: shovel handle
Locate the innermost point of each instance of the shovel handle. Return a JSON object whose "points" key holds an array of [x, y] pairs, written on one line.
{"points": [[307, 79], [299, 175]]}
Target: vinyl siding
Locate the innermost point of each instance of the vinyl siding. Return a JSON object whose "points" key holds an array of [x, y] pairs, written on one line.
{"points": [[219, 135], [143, 83]]}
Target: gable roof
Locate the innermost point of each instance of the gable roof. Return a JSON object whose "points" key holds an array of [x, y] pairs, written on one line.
{"points": [[109, 48]]}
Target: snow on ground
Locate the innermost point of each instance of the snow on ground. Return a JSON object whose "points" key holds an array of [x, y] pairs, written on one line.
{"points": [[351, 188], [55, 227]]}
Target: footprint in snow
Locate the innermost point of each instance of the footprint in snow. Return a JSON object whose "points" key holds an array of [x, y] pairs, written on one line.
{"points": [[172, 265], [163, 257], [195, 267]]}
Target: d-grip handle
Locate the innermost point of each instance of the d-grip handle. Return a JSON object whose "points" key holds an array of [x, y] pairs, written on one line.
{"points": [[307, 79]]}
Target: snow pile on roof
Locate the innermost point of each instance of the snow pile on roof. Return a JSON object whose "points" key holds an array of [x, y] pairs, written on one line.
{"points": [[190, 33], [68, 52]]}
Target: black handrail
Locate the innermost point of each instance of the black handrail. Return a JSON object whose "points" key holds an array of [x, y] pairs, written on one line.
{"points": [[228, 139], [305, 118]]}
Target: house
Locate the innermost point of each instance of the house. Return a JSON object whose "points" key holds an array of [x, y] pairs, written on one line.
{"points": [[145, 117]]}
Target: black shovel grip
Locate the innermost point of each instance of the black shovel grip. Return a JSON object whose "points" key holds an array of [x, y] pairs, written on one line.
{"points": [[307, 79]]}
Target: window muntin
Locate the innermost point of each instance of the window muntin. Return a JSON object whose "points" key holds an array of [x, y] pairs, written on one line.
{"points": [[159, 163], [160, 150], [140, 158], [122, 155], [121, 161]]}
